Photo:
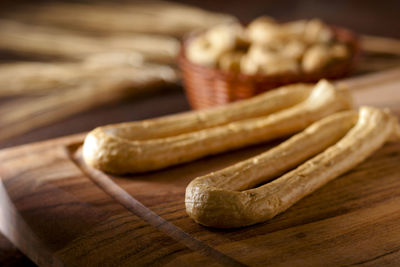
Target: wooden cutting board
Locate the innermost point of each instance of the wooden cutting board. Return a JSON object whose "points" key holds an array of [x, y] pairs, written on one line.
{"points": [[58, 211]]}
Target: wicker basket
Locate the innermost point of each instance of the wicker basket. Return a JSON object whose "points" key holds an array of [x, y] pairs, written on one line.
{"points": [[207, 87]]}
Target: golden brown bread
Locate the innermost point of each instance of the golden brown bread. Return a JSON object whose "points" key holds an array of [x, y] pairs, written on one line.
{"points": [[226, 199], [155, 144]]}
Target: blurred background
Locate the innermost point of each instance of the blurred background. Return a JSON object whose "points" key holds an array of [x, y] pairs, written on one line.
{"points": [[67, 67]]}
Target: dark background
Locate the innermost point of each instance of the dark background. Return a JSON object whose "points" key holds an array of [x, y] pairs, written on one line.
{"points": [[365, 16]]}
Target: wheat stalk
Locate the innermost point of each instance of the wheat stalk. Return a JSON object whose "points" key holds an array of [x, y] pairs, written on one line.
{"points": [[27, 39], [138, 16], [21, 115]]}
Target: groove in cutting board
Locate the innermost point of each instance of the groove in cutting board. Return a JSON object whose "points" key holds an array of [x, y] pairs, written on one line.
{"points": [[137, 208], [55, 210]]}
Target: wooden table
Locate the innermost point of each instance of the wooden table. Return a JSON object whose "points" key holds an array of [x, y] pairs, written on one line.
{"points": [[372, 17]]}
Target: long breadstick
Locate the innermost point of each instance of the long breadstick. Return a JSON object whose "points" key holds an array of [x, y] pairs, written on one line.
{"points": [[166, 126], [119, 149], [212, 201]]}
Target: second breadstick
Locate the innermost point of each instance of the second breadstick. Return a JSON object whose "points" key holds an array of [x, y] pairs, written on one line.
{"points": [[216, 200]]}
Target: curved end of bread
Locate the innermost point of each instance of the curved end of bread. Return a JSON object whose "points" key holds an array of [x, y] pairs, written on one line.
{"points": [[219, 208], [114, 155], [326, 89], [92, 150], [98, 152]]}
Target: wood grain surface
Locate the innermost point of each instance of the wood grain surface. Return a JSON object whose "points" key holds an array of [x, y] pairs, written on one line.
{"points": [[59, 211]]}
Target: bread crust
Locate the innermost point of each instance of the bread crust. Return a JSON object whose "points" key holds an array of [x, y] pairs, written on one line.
{"points": [[226, 199], [159, 143]]}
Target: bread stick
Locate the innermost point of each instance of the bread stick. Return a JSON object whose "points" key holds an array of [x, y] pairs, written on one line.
{"points": [[218, 199], [159, 143], [171, 125]]}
